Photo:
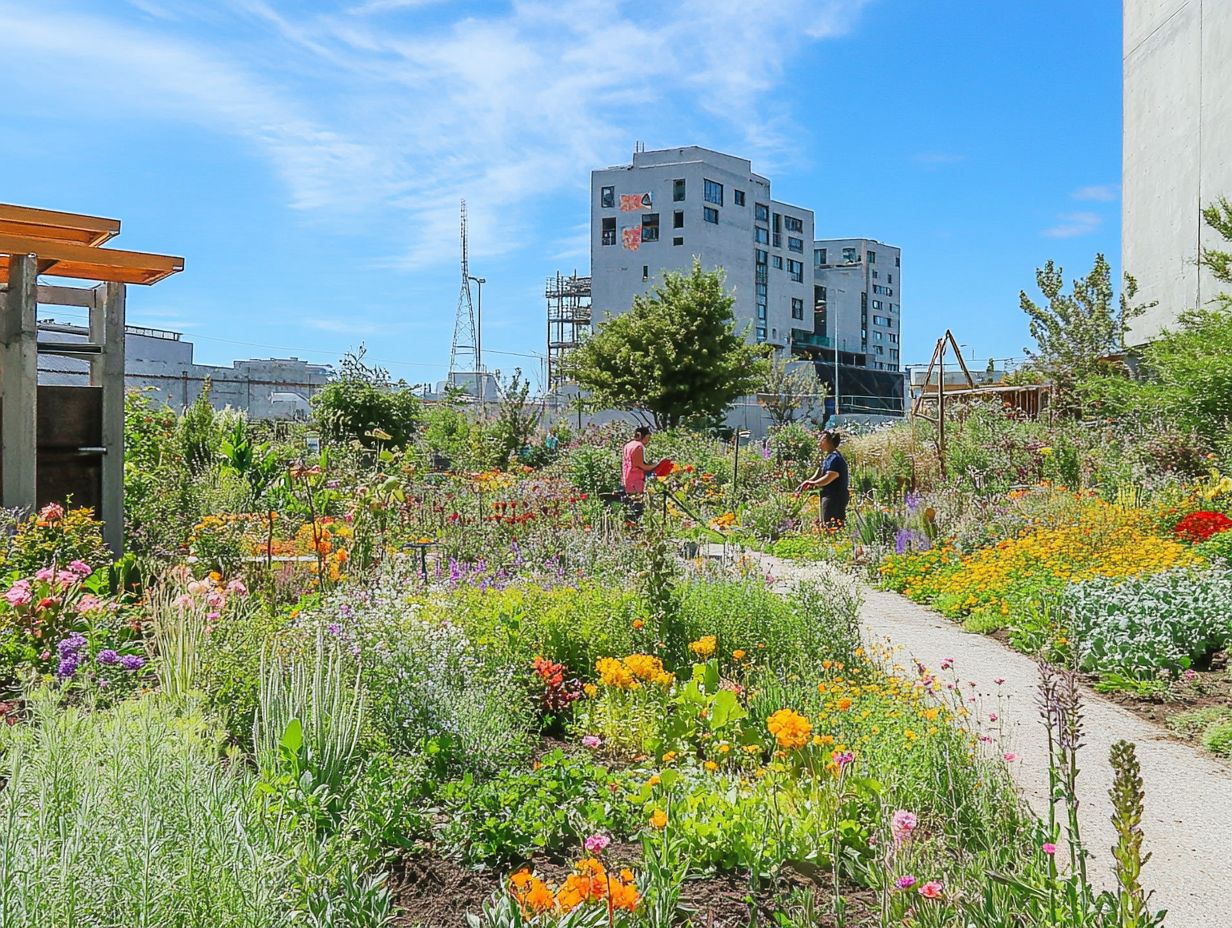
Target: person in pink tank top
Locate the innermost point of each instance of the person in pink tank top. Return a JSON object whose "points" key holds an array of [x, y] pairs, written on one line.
{"points": [[634, 468]]}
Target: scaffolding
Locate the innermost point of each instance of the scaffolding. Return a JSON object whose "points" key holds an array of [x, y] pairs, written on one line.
{"points": [[569, 319]]}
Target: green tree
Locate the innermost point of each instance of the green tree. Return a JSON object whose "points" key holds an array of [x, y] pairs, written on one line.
{"points": [[786, 389], [1185, 374], [516, 419], [675, 355], [1075, 332], [362, 404]]}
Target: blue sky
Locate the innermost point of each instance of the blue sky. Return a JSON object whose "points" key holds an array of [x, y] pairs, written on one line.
{"points": [[307, 157]]}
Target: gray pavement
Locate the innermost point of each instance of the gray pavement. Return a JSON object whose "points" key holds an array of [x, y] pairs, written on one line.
{"points": [[1188, 793]]}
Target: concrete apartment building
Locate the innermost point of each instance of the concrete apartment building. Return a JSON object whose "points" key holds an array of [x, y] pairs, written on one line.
{"points": [[161, 363], [668, 207], [1177, 150], [858, 284]]}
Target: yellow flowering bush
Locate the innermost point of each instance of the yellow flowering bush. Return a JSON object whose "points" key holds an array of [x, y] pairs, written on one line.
{"points": [[790, 729]]}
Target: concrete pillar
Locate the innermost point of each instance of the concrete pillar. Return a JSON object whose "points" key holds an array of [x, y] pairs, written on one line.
{"points": [[19, 385], [107, 371]]}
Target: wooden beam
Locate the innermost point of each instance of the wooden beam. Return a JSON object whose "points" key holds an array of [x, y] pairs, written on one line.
{"points": [[56, 226], [19, 387], [65, 259]]}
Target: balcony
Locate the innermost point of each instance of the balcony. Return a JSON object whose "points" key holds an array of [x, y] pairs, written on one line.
{"points": [[803, 339]]}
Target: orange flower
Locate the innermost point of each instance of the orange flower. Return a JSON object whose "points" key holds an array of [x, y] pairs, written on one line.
{"points": [[638, 624], [844, 704], [658, 819]]}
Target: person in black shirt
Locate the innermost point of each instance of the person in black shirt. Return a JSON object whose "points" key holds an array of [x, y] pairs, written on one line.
{"points": [[831, 478]]}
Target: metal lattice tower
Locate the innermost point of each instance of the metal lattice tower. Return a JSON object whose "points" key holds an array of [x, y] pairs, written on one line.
{"points": [[464, 322]]}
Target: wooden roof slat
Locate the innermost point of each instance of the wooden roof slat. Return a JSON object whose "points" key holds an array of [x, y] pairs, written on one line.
{"points": [[84, 262], [56, 226]]}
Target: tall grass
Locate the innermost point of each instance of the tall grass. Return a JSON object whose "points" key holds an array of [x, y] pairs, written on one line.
{"points": [[318, 692], [125, 818]]}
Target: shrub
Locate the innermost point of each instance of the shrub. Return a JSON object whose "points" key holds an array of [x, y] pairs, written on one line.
{"points": [[124, 817], [1201, 526], [1145, 627], [1218, 739]]}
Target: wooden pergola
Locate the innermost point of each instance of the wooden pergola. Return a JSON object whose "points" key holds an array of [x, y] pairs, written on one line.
{"points": [[79, 432]]}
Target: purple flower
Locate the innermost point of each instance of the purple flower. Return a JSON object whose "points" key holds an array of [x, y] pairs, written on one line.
{"points": [[107, 657], [69, 646], [132, 662], [68, 667], [905, 882], [81, 568], [334, 628], [913, 501], [591, 741]]}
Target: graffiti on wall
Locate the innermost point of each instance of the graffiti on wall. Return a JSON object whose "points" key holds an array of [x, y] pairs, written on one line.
{"points": [[633, 202], [631, 237]]}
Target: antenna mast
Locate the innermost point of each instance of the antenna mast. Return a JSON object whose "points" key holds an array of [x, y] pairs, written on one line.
{"points": [[464, 321]]}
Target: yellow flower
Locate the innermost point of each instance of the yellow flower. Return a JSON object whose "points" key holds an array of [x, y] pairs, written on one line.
{"points": [[738, 654], [658, 820], [790, 729], [710, 766], [654, 780], [704, 647]]}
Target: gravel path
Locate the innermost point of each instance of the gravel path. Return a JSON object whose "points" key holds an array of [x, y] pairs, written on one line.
{"points": [[1188, 794]]}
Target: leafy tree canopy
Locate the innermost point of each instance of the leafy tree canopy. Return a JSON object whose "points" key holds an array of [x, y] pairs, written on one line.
{"points": [[362, 404], [675, 355]]}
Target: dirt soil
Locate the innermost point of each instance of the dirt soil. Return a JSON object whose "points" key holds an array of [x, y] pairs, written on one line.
{"points": [[1206, 689], [431, 892]]}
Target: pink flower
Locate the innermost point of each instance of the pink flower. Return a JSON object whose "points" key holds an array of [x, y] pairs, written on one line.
{"points": [[902, 824], [1049, 848], [591, 741], [905, 882], [931, 889], [985, 739], [947, 663], [19, 594], [992, 716], [999, 680], [237, 587], [596, 843], [52, 512], [81, 568], [196, 586], [183, 601], [214, 599], [1010, 757], [88, 603], [46, 574], [842, 758]]}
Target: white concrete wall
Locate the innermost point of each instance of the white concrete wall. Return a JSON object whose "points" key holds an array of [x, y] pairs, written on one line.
{"points": [[1177, 155]]}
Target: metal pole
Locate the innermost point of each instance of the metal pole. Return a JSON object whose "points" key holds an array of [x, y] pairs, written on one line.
{"points": [[940, 408], [479, 338], [735, 469]]}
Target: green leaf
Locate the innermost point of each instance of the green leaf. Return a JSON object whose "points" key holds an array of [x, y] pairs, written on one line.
{"points": [[726, 708]]}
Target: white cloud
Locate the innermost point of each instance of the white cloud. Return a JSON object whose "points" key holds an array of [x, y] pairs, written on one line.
{"points": [[1072, 225], [1102, 193], [392, 120]]}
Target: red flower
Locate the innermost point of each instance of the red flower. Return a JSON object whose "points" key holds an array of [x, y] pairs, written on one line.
{"points": [[1199, 526]]}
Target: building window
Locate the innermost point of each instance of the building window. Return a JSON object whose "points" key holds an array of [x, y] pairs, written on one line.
{"points": [[761, 333], [893, 338], [795, 270], [761, 312], [793, 224], [650, 227], [609, 230], [819, 256], [795, 244], [872, 257], [797, 308], [762, 234], [849, 256], [876, 304], [710, 214], [877, 336], [875, 275], [678, 189], [738, 197], [889, 278], [645, 272], [712, 192], [761, 256], [896, 257], [761, 212], [607, 197], [678, 219], [864, 303], [678, 240]]}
